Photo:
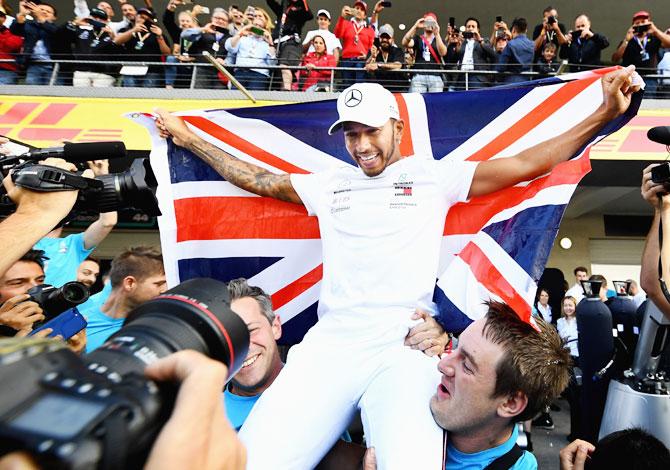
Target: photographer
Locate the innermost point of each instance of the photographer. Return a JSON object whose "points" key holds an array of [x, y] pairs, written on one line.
{"points": [[649, 267], [66, 254], [550, 30], [428, 52], [640, 47], [92, 39], [585, 45], [475, 53], [211, 38], [197, 434]]}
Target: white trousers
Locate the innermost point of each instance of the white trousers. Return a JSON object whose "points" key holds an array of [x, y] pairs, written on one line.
{"points": [[92, 79], [341, 365]]}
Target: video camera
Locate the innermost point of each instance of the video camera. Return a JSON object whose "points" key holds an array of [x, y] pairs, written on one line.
{"points": [[132, 189], [101, 412]]}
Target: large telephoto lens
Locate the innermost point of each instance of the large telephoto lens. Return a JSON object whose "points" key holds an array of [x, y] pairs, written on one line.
{"points": [[195, 315]]}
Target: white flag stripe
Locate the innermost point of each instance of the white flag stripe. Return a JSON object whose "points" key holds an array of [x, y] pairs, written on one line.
{"points": [[519, 279], [189, 189], [287, 270], [246, 247], [569, 116], [418, 117], [464, 291], [505, 120], [298, 304], [277, 142]]}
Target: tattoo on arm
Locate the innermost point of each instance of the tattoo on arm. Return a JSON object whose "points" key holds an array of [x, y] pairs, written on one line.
{"points": [[245, 175]]}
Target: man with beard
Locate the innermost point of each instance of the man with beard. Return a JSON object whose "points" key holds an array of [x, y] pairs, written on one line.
{"points": [[383, 60]]}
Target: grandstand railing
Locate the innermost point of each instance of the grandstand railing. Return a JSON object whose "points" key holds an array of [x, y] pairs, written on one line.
{"points": [[454, 79]]}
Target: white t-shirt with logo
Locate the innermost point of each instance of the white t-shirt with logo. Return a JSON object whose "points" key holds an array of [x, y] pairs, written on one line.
{"points": [[381, 236]]}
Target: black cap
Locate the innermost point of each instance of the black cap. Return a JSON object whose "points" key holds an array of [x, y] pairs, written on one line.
{"points": [[98, 13], [146, 11]]}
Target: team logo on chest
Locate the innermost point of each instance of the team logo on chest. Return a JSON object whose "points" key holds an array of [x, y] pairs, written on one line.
{"points": [[403, 187]]}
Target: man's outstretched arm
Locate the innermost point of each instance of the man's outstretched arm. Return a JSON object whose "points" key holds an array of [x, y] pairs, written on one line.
{"points": [[498, 174], [244, 175]]}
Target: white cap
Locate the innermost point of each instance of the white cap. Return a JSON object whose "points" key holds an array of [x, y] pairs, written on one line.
{"points": [[323, 12], [366, 103]]}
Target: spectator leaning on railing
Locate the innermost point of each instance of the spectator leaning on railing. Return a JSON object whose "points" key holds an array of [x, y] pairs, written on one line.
{"points": [[253, 46], [547, 64], [641, 46], [311, 79], [384, 61], [36, 24], [585, 45], [10, 46]]}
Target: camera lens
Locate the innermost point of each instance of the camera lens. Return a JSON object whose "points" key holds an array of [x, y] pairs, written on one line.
{"points": [[74, 292], [195, 315]]}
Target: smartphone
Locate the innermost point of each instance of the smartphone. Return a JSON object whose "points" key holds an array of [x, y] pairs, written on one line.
{"points": [[498, 19], [576, 33], [387, 4], [468, 34], [95, 23], [377, 43], [258, 31], [67, 324], [221, 29], [452, 22], [641, 28]]}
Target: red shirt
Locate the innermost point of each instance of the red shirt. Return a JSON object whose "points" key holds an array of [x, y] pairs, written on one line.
{"points": [[356, 39], [316, 76], [10, 45]]}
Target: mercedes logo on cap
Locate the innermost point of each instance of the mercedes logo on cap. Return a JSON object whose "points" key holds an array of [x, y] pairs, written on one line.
{"points": [[353, 98]]}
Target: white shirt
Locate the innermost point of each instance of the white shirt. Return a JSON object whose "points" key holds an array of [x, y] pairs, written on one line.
{"points": [[329, 38], [567, 329], [468, 62], [576, 291], [544, 311], [381, 236]]}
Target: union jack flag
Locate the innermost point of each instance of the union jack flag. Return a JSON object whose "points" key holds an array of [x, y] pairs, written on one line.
{"points": [[493, 247]]}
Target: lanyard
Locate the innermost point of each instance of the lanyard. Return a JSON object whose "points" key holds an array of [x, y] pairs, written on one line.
{"points": [[643, 45]]}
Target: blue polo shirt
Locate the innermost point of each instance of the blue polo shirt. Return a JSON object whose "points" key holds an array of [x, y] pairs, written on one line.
{"points": [[65, 255], [457, 460]]}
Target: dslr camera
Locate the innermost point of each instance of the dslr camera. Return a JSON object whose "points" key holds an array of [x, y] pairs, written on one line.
{"points": [[661, 174], [101, 412]]}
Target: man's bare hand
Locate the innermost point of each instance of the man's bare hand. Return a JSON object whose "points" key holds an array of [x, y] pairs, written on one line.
{"points": [[650, 190], [77, 343], [19, 314], [617, 91], [370, 459], [99, 167], [428, 336], [574, 455], [198, 434], [57, 203], [173, 126]]}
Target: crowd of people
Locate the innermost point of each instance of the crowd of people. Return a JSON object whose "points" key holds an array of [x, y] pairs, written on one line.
{"points": [[370, 341], [267, 48]]}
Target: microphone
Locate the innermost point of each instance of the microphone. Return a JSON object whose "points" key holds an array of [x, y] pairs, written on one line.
{"points": [[659, 134], [80, 153]]}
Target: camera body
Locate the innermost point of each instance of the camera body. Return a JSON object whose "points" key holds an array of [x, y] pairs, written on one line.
{"points": [[101, 412], [56, 300], [468, 34], [551, 19], [661, 174], [640, 28], [97, 25]]}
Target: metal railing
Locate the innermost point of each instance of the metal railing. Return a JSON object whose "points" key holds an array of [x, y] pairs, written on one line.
{"points": [[453, 78]]}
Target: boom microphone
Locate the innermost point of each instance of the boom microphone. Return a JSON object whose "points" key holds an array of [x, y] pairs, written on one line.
{"points": [[80, 153], [659, 134]]}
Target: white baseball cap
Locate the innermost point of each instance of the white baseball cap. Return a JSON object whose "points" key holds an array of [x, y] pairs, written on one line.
{"points": [[366, 103], [323, 12]]}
